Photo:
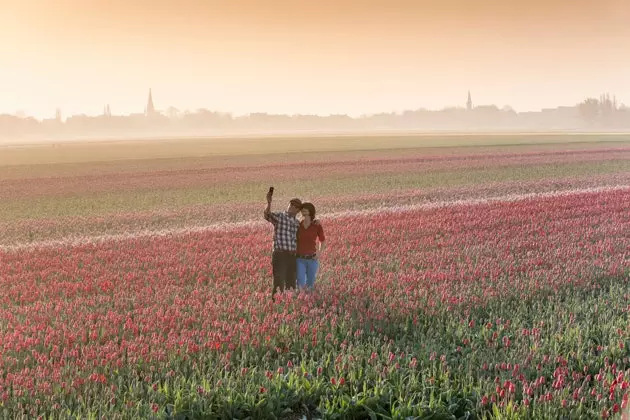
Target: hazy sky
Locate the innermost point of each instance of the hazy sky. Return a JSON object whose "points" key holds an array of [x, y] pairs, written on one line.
{"points": [[309, 56]]}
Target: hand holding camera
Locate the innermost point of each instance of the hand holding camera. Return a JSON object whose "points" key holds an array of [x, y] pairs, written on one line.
{"points": [[269, 195]]}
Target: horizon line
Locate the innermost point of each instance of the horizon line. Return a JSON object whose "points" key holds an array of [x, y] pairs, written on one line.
{"points": [[17, 113]]}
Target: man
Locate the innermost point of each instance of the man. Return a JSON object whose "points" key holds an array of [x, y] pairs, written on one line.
{"points": [[283, 260]]}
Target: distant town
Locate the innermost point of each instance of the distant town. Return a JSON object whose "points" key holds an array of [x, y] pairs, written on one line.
{"points": [[603, 114]]}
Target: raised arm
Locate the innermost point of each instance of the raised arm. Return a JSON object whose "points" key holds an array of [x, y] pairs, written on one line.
{"points": [[267, 214]]}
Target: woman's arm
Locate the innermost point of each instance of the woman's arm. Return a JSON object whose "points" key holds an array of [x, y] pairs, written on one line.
{"points": [[322, 239], [320, 251]]}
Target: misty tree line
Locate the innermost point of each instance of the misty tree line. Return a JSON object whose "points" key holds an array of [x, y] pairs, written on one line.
{"points": [[605, 109], [593, 113]]}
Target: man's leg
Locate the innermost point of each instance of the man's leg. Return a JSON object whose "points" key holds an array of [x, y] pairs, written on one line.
{"points": [[278, 273], [291, 272]]}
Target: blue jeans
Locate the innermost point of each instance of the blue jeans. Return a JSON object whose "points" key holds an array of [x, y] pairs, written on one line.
{"points": [[306, 272]]}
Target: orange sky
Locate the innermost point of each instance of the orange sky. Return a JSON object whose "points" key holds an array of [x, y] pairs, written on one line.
{"points": [[304, 56]]}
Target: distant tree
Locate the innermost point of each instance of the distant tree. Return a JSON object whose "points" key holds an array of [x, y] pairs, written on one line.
{"points": [[508, 110], [487, 108], [607, 106], [589, 109], [172, 112]]}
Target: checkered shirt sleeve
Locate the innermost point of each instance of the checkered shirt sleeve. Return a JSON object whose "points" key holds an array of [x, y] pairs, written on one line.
{"points": [[285, 231]]}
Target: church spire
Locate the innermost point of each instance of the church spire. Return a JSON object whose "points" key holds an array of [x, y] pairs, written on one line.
{"points": [[469, 103], [150, 108]]}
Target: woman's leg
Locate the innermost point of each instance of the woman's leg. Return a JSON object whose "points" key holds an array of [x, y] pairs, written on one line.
{"points": [[301, 272], [312, 268]]}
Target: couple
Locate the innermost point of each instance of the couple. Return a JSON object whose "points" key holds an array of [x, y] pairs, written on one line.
{"points": [[295, 246]]}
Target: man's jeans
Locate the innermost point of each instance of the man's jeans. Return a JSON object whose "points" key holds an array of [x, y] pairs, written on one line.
{"points": [[283, 264], [306, 272]]}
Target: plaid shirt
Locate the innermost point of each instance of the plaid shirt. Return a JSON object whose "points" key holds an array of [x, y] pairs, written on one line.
{"points": [[285, 230]]}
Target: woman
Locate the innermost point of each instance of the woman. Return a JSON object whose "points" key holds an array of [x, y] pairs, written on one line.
{"points": [[308, 248]]}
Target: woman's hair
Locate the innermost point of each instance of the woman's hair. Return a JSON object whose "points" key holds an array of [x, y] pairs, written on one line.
{"points": [[311, 209]]}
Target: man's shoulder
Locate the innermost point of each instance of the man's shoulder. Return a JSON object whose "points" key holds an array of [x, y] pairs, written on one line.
{"points": [[285, 216]]}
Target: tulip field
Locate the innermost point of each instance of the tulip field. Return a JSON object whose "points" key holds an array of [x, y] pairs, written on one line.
{"points": [[458, 283]]}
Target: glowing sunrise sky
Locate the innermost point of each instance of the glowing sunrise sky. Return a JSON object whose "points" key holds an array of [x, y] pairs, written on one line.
{"points": [[315, 56]]}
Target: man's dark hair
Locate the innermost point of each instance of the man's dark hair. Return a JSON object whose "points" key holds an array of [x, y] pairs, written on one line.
{"points": [[311, 209], [296, 202]]}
